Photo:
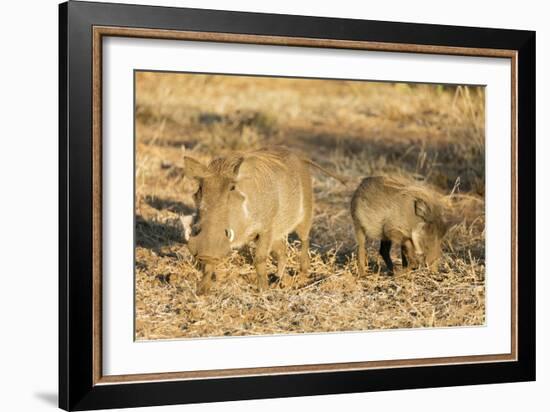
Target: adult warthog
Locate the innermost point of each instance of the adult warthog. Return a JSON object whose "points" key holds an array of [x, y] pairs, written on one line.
{"points": [[259, 196], [399, 211]]}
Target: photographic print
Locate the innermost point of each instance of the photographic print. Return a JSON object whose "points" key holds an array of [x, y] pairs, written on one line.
{"points": [[271, 205]]}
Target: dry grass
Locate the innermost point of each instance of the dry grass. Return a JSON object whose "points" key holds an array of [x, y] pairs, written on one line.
{"points": [[429, 133]]}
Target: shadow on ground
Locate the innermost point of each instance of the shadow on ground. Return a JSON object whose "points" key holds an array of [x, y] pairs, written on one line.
{"points": [[154, 235], [169, 204]]}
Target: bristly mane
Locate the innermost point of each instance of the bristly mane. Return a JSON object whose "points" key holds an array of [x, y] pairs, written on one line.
{"points": [[420, 190], [267, 159]]}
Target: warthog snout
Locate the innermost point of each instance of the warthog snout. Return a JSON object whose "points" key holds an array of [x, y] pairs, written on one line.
{"points": [[206, 250]]}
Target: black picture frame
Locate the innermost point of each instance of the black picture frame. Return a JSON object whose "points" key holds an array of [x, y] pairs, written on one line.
{"points": [[77, 390]]}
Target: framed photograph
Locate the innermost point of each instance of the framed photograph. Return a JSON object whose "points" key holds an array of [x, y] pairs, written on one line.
{"points": [[256, 206]]}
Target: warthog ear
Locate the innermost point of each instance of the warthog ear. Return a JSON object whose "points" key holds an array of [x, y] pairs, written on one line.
{"points": [[193, 168], [237, 167], [423, 210]]}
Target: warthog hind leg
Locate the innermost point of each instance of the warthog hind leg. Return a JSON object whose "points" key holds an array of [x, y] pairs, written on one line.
{"points": [[303, 233], [361, 250], [278, 250]]}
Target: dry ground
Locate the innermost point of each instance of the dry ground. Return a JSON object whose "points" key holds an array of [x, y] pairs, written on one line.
{"points": [[429, 133]]}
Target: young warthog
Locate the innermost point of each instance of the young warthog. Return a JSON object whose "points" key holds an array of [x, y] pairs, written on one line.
{"points": [[259, 196], [394, 210]]}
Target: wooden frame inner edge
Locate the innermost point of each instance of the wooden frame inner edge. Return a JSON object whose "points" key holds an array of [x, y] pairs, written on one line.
{"points": [[97, 201], [100, 31]]}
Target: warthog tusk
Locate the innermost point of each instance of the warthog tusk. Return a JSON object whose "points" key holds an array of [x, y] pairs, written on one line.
{"points": [[230, 233], [187, 223]]}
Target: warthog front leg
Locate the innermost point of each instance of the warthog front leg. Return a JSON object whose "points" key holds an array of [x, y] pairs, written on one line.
{"points": [[385, 248], [418, 251], [404, 260], [407, 254], [263, 247], [207, 278]]}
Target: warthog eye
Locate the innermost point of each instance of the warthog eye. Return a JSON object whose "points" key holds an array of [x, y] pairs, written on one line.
{"points": [[232, 187], [230, 234], [198, 194]]}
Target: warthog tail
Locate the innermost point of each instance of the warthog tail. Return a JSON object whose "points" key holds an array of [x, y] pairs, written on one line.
{"points": [[336, 176]]}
